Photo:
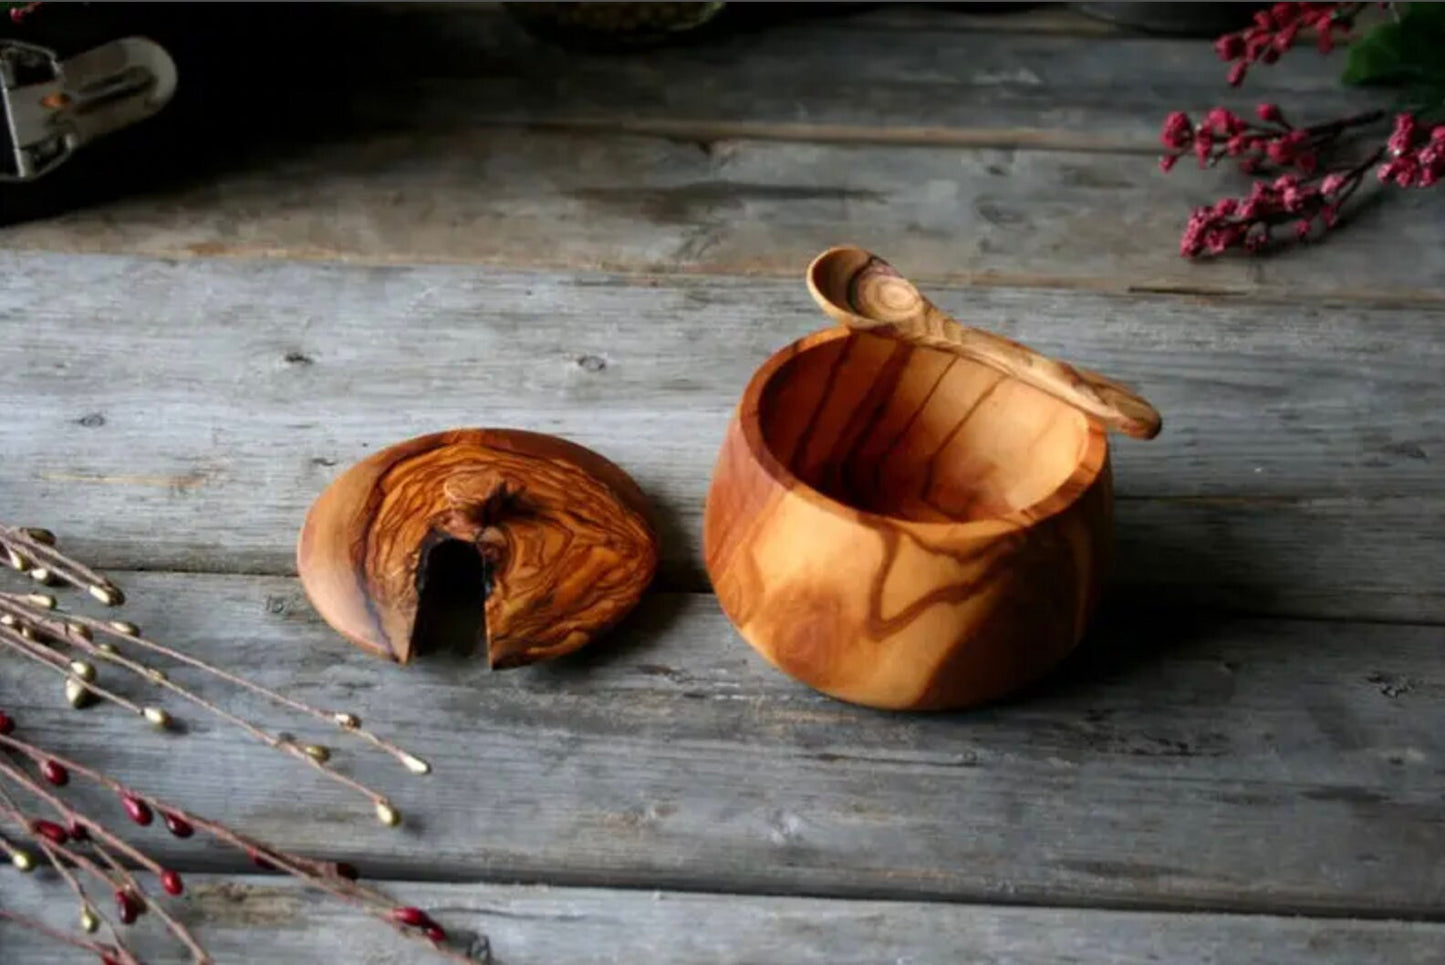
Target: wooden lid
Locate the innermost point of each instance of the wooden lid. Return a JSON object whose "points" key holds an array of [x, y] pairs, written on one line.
{"points": [[523, 544]]}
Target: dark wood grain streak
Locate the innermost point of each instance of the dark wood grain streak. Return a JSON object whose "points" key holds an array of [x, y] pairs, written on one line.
{"points": [[881, 459], [841, 468], [925, 486]]}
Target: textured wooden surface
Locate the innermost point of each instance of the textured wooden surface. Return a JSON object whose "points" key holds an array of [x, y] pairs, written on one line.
{"points": [[478, 231], [573, 200], [995, 158], [1146, 772], [255, 920], [1307, 488]]}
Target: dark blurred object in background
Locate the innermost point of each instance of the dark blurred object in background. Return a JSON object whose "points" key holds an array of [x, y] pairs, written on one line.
{"points": [[153, 149], [611, 25], [1176, 19], [260, 83]]}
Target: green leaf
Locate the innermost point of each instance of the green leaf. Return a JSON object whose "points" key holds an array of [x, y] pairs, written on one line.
{"points": [[1403, 51]]}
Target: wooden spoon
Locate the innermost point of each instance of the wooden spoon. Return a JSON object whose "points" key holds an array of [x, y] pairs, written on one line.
{"points": [[865, 293]]}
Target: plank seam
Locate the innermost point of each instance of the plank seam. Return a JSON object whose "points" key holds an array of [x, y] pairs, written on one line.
{"points": [[611, 882], [682, 587], [646, 275]]}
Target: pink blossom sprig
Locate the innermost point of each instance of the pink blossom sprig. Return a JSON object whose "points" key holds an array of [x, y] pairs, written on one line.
{"points": [[19, 13], [1413, 156], [1269, 142], [1276, 30], [1416, 155], [1302, 190], [1309, 207]]}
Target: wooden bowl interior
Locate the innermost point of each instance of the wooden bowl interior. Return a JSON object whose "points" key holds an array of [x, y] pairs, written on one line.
{"points": [[916, 433]]}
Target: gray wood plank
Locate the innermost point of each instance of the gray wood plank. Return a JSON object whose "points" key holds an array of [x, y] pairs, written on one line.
{"points": [[589, 200], [1044, 78], [406, 163], [256, 919], [1284, 555], [1179, 761], [184, 415]]}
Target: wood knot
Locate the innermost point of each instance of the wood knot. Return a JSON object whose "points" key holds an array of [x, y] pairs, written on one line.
{"points": [[505, 501]]}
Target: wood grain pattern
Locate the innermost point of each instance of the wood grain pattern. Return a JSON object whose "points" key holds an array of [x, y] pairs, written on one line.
{"points": [[561, 538], [862, 291], [1145, 772], [257, 919], [152, 401], [867, 73], [602, 201], [409, 165], [925, 72], [904, 528], [164, 414]]}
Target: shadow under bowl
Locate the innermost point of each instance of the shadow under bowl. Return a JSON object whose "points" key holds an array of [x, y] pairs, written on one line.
{"points": [[904, 528]]}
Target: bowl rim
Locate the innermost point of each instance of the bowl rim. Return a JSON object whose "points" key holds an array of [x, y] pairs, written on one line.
{"points": [[1069, 490]]}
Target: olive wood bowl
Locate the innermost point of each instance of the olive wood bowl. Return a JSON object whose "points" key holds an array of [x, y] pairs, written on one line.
{"points": [[903, 527]]}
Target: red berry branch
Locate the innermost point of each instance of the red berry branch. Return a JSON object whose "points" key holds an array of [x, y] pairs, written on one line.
{"points": [[20, 11], [64, 847], [1275, 31], [108, 954], [90, 920], [1271, 142], [55, 841], [1308, 205], [1306, 179], [1416, 156], [50, 842], [82, 848]]}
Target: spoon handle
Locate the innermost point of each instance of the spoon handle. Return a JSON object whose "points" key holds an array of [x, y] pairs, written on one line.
{"points": [[865, 293], [1110, 402]]}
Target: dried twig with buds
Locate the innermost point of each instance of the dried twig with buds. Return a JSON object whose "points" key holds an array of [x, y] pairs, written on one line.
{"points": [[108, 954], [73, 645], [80, 847], [33, 552], [63, 841]]}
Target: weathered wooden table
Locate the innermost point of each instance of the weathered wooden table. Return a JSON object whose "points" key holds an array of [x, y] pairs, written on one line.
{"points": [[1244, 764]]}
